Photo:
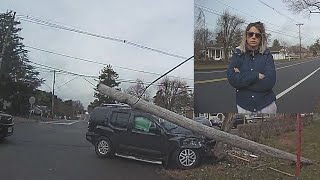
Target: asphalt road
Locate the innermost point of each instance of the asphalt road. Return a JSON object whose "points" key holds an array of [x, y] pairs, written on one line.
{"points": [[214, 94], [59, 151]]}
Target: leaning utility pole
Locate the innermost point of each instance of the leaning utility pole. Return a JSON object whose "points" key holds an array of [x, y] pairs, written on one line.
{"points": [[52, 103], [299, 37], [5, 39]]}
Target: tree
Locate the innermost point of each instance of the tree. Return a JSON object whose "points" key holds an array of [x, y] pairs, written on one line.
{"points": [[18, 79], [303, 6], [203, 37], [173, 95], [108, 77], [137, 90], [230, 27], [315, 48], [275, 43]]}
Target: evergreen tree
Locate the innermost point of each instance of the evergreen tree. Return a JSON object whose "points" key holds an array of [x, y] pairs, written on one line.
{"points": [[18, 79], [107, 77]]}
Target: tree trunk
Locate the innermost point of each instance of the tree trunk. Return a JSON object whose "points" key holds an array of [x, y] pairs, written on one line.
{"points": [[198, 127]]}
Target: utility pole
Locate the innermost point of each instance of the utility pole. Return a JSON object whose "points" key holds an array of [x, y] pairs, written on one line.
{"points": [[52, 103], [5, 39], [300, 37]]}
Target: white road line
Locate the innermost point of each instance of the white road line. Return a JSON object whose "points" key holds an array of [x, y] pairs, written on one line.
{"points": [[296, 84], [207, 72], [293, 65]]}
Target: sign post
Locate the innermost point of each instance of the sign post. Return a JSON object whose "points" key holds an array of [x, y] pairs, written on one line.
{"points": [[32, 100]]}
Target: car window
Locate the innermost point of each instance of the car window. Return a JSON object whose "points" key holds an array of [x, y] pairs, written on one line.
{"points": [[143, 124], [98, 114], [119, 119]]}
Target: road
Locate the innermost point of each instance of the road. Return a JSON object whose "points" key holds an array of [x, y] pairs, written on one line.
{"points": [[59, 150], [297, 88]]}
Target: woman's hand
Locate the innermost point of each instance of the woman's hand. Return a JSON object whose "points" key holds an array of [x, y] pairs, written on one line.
{"points": [[261, 76], [237, 70]]}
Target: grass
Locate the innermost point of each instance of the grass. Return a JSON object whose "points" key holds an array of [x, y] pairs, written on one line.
{"points": [[210, 65], [234, 168]]}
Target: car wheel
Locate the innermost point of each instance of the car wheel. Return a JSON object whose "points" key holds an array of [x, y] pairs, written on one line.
{"points": [[104, 148], [187, 158]]}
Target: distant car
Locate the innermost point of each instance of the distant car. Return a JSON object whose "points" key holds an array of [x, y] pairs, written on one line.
{"points": [[239, 119], [203, 121], [134, 134], [6, 125]]}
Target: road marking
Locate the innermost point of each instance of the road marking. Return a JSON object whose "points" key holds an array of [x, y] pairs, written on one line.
{"points": [[207, 72], [296, 84], [60, 123], [292, 65], [209, 81], [224, 79]]}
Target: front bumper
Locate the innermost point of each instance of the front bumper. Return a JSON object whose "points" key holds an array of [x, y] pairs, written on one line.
{"points": [[6, 130], [91, 137]]}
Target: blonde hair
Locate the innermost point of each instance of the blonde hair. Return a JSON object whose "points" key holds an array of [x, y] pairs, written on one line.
{"points": [[263, 43]]}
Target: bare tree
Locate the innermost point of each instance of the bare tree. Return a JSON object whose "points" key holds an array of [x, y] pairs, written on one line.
{"points": [[303, 6], [138, 89], [173, 95], [230, 27]]}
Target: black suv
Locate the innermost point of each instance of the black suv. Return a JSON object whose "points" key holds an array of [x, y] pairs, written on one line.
{"points": [[6, 125], [126, 132]]}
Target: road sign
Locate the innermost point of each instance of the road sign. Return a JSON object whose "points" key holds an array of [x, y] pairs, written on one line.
{"points": [[32, 100]]}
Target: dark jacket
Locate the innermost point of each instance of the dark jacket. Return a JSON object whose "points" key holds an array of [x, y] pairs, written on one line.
{"points": [[252, 93]]}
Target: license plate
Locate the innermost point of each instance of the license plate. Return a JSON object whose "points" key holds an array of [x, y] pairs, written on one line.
{"points": [[9, 129]]}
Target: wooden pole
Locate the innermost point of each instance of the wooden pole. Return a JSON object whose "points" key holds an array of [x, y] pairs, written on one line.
{"points": [[206, 131]]}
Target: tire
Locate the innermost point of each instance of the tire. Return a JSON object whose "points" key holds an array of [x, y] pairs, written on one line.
{"points": [[186, 158], [104, 148]]}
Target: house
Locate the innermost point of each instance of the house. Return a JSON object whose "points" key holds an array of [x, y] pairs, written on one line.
{"points": [[40, 110], [279, 52], [214, 53], [294, 51]]}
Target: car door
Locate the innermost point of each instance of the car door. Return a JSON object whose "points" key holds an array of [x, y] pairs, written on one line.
{"points": [[119, 123], [146, 137]]}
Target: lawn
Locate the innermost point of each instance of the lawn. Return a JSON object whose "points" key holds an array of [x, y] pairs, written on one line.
{"points": [[260, 167]]}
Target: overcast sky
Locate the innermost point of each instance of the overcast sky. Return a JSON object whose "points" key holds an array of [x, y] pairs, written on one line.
{"points": [[165, 25], [273, 21]]}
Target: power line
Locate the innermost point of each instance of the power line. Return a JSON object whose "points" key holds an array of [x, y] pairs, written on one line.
{"points": [[249, 14], [96, 62], [64, 72], [220, 14], [161, 77], [67, 82], [61, 27], [295, 22]]}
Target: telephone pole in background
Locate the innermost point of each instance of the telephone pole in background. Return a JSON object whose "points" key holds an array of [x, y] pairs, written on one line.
{"points": [[52, 103], [300, 37]]}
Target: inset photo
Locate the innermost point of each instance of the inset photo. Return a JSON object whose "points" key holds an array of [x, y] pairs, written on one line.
{"points": [[255, 59]]}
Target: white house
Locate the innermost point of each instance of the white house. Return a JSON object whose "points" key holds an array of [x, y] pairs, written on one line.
{"points": [[278, 52]]}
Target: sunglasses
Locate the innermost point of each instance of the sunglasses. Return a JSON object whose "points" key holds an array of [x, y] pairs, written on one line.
{"points": [[257, 35]]}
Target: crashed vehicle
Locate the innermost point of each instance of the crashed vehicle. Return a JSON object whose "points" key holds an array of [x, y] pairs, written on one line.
{"points": [[6, 125], [122, 131]]}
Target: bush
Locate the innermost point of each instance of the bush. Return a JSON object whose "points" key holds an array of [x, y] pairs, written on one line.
{"points": [[272, 127]]}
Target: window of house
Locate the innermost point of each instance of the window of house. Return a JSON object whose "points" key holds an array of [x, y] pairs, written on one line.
{"points": [[119, 119], [218, 53]]}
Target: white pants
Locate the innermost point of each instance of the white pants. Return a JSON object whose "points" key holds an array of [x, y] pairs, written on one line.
{"points": [[271, 109]]}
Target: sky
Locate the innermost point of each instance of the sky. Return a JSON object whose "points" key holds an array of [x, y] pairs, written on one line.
{"points": [[254, 10], [164, 25]]}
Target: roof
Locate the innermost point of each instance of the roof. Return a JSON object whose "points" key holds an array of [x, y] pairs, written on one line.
{"points": [[276, 49]]}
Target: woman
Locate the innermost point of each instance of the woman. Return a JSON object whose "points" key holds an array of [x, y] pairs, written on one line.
{"points": [[252, 72]]}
